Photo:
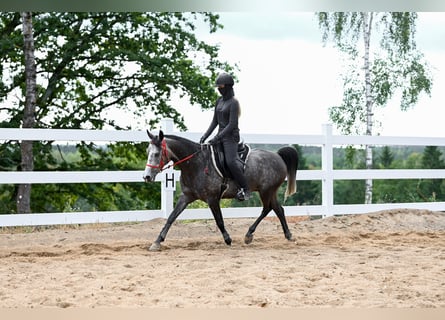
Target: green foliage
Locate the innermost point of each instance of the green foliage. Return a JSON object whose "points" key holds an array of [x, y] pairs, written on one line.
{"points": [[87, 65], [386, 157], [432, 158], [349, 192], [90, 62], [78, 197], [141, 196], [308, 192], [428, 189], [393, 191], [406, 73], [351, 114]]}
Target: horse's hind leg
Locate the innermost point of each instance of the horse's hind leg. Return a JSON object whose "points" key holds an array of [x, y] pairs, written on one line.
{"points": [[279, 211], [249, 235]]}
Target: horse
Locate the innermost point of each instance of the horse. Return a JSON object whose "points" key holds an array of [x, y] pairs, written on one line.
{"points": [[265, 172]]}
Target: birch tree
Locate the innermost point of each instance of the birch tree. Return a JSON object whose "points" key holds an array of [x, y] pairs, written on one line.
{"points": [[377, 71], [27, 163]]}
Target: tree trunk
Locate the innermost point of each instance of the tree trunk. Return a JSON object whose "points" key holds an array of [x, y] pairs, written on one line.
{"points": [[367, 23], [27, 163]]}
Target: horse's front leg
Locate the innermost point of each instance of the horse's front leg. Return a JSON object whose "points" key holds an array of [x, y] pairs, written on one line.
{"points": [[180, 206], [217, 214]]}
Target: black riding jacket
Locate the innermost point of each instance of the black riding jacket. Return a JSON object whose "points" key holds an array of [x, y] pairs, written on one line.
{"points": [[226, 117]]}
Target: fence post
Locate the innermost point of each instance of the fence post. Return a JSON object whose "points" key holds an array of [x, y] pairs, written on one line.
{"points": [[327, 159], [168, 184]]}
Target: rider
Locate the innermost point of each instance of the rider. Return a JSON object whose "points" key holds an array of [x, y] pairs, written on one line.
{"points": [[227, 112]]}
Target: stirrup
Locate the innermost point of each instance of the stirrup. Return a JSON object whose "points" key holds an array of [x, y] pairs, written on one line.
{"points": [[242, 195]]}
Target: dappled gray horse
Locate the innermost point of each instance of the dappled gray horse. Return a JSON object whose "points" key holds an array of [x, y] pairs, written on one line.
{"points": [[265, 172]]}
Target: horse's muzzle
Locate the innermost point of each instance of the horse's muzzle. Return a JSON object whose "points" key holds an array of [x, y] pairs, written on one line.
{"points": [[148, 179]]}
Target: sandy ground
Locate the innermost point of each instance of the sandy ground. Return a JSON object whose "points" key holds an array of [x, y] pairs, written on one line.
{"points": [[385, 259]]}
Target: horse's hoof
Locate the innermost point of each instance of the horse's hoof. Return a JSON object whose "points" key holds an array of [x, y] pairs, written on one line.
{"points": [[228, 241], [248, 238], [290, 238], [155, 247]]}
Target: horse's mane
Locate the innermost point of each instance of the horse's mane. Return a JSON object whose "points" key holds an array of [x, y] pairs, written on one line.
{"points": [[182, 140]]}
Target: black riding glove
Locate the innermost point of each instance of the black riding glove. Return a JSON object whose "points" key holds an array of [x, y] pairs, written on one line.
{"points": [[215, 140]]}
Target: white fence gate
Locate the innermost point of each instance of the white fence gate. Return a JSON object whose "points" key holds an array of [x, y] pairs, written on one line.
{"points": [[327, 175]]}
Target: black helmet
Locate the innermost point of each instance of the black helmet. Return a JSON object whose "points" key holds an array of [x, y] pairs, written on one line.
{"points": [[224, 79]]}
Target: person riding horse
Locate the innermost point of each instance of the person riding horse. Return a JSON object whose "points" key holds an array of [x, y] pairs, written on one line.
{"points": [[227, 112]]}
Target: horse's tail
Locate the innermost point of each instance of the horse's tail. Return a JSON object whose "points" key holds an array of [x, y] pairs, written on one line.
{"points": [[290, 158]]}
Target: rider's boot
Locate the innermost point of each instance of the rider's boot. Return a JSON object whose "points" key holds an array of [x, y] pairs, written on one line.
{"points": [[243, 194]]}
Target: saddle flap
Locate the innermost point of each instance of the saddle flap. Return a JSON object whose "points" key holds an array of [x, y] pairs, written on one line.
{"points": [[219, 162]]}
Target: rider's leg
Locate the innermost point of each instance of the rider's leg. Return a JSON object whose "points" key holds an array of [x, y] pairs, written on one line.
{"points": [[230, 153]]}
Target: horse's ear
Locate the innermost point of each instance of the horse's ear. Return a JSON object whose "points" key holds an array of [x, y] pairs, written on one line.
{"points": [[150, 135], [161, 135]]}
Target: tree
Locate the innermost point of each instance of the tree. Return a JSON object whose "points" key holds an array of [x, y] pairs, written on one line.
{"points": [[308, 192], [374, 77], [27, 163], [432, 189], [88, 64], [386, 157], [432, 158], [348, 191]]}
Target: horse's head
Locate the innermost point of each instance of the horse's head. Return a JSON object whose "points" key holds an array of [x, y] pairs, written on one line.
{"points": [[157, 156]]}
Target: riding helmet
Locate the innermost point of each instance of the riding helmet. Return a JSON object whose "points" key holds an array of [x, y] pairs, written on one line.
{"points": [[224, 79]]}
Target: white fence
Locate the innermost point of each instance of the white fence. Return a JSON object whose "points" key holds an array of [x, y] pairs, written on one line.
{"points": [[327, 175]]}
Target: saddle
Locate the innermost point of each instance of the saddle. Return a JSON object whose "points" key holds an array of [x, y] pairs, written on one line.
{"points": [[218, 159]]}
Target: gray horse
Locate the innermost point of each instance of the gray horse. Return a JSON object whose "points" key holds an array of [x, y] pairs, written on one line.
{"points": [[265, 172]]}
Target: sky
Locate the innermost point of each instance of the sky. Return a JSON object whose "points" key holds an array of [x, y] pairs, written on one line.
{"points": [[287, 79]]}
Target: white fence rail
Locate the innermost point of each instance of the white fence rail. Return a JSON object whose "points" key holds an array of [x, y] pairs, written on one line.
{"points": [[327, 175]]}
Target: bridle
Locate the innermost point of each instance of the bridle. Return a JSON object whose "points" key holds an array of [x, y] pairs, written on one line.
{"points": [[164, 157]]}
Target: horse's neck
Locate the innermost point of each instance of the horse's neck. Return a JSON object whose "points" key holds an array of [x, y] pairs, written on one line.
{"points": [[180, 148]]}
